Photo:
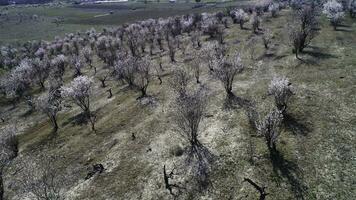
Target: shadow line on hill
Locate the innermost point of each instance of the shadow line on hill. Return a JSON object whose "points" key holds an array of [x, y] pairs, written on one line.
{"points": [[294, 125], [289, 170], [247, 105]]}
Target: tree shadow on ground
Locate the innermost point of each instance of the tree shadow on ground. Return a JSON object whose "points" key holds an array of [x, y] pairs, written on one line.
{"points": [[307, 61], [339, 29], [317, 53], [279, 57], [289, 170], [79, 119], [294, 125], [233, 102], [343, 28], [126, 88], [200, 159], [28, 112]]}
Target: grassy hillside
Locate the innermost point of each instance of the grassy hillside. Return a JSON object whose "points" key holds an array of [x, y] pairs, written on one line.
{"points": [[316, 146]]}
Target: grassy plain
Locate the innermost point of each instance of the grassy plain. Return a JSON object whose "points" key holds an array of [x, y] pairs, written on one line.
{"points": [[76, 18]]}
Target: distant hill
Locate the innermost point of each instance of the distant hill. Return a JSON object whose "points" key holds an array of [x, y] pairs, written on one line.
{"points": [[7, 2]]}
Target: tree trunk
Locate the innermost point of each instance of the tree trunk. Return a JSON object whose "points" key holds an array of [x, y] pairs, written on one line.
{"points": [[55, 124], [92, 122], [143, 92], [42, 85], [260, 189], [160, 80], [1, 186], [266, 45], [160, 66], [103, 85], [296, 53], [110, 93]]}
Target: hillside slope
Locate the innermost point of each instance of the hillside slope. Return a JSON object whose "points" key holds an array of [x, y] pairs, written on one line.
{"points": [[316, 146]]}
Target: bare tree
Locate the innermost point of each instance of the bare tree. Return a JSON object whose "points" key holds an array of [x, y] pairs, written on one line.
{"points": [[77, 65], [172, 48], [42, 177], [50, 104], [8, 151], [227, 69], [19, 80], [220, 34], [303, 28], [282, 90], [41, 70], [255, 22], [353, 8], [267, 38], [180, 81], [251, 46], [158, 72], [107, 48], [103, 78], [133, 39], [190, 109], [58, 65], [196, 67], [125, 69], [79, 92], [167, 177], [142, 78], [269, 128]]}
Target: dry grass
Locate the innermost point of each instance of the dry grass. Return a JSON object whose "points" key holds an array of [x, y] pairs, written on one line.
{"points": [[316, 146]]}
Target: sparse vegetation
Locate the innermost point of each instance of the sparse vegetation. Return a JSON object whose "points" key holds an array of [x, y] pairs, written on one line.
{"points": [[151, 86]]}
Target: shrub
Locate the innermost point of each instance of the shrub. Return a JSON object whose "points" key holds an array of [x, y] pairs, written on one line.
{"points": [[281, 89], [269, 128], [226, 70]]}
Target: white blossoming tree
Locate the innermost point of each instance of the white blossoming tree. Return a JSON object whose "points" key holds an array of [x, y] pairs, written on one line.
{"points": [[79, 92], [227, 69], [334, 12], [239, 16], [353, 8], [19, 81], [282, 90]]}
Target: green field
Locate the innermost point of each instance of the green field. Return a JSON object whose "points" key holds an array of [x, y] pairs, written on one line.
{"points": [[83, 17]]}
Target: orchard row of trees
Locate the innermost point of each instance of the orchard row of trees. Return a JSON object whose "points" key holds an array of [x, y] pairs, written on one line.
{"points": [[133, 54]]}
